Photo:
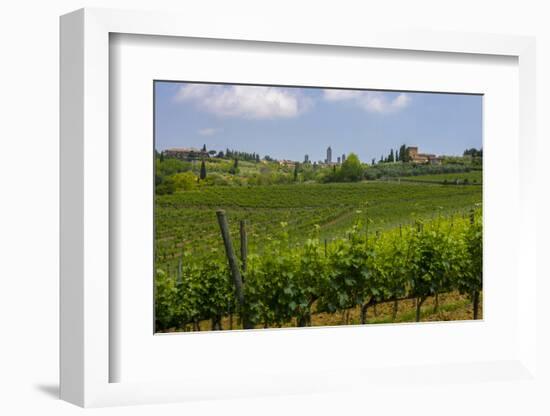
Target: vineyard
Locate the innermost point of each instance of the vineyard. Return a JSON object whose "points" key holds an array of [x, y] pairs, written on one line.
{"points": [[474, 177], [186, 223], [280, 279]]}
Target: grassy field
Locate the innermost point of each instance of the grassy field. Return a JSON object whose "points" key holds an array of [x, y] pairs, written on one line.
{"points": [[187, 219]]}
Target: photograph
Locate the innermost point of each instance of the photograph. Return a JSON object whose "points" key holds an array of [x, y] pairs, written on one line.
{"points": [[282, 206]]}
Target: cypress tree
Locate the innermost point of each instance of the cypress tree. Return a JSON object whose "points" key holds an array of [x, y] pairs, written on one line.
{"points": [[403, 153], [203, 170]]}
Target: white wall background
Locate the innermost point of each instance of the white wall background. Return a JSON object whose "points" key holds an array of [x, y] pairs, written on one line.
{"points": [[29, 185]]}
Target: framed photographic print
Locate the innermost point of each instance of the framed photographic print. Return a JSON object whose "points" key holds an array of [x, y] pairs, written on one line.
{"points": [[247, 215], [272, 208]]}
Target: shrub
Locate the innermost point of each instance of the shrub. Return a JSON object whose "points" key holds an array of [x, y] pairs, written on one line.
{"points": [[185, 181], [167, 186]]}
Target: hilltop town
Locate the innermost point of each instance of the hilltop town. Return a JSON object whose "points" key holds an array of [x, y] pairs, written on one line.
{"points": [[405, 154], [180, 169]]}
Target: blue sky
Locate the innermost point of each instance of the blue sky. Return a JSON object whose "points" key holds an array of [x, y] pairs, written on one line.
{"points": [[287, 123]]}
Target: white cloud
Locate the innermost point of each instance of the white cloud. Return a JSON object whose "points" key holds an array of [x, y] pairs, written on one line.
{"points": [[401, 101], [208, 131], [371, 101], [245, 101]]}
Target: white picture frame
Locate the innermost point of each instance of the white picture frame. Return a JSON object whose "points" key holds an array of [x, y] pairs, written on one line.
{"points": [[86, 355]]}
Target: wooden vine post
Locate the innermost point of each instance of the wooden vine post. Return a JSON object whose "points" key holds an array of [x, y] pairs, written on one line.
{"points": [[244, 245], [233, 265]]}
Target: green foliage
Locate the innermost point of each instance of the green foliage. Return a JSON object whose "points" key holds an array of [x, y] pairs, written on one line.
{"points": [[349, 274], [285, 282], [473, 176], [350, 171], [165, 186], [196, 292], [390, 263], [470, 278], [184, 181], [166, 304], [202, 175], [234, 154], [403, 156], [397, 170], [473, 152], [234, 170], [435, 258], [170, 166]]}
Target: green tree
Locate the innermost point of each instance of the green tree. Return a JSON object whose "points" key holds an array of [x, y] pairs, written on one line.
{"points": [[203, 170], [351, 170], [167, 186], [296, 167], [171, 165], [235, 168], [390, 157], [403, 153]]}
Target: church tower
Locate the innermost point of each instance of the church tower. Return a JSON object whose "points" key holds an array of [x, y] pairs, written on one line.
{"points": [[329, 155]]}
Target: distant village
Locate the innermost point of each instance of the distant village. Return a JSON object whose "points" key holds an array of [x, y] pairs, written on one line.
{"points": [[409, 154]]}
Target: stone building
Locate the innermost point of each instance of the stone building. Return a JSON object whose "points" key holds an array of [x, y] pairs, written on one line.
{"points": [[422, 158], [186, 153]]}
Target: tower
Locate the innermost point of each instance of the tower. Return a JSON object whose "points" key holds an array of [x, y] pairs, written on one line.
{"points": [[329, 155], [343, 157]]}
